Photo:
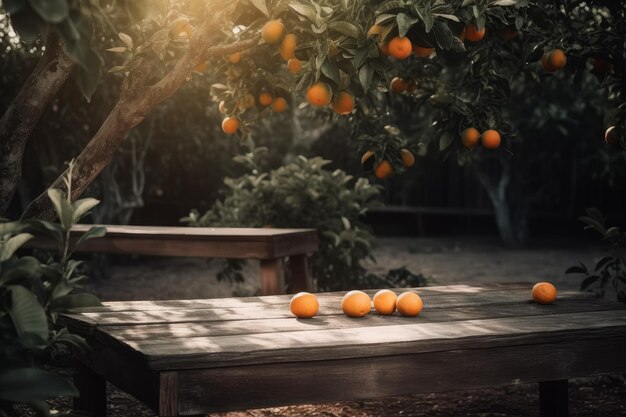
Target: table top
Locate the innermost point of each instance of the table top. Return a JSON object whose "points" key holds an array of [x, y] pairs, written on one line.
{"points": [[226, 332]]}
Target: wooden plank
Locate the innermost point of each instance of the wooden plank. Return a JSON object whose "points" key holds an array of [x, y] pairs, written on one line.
{"points": [[312, 345], [238, 388], [328, 306], [168, 394], [241, 327], [300, 277]]}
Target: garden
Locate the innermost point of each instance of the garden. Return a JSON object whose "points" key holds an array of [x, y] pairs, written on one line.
{"points": [[312, 208]]}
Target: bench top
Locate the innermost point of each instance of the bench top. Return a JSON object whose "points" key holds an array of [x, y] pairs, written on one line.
{"points": [[208, 242], [214, 333]]}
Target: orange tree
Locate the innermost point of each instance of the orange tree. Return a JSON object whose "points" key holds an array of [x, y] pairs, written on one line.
{"points": [[263, 56]]}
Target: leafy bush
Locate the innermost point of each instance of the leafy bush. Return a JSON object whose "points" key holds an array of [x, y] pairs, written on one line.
{"points": [[302, 194], [32, 294], [610, 270]]}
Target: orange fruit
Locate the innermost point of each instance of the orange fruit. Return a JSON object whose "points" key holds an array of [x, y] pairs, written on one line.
{"points": [[423, 51], [304, 305], [273, 31], [409, 304], [507, 34], [398, 85], [545, 64], [279, 105], [472, 33], [201, 67], [544, 293], [294, 65], [385, 302], [411, 87], [408, 160], [556, 59], [367, 160], [181, 26], [383, 170], [612, 135], [288, 47], [265, 98], [491, 139], [230, 125], [344, 103], [235, 57], [461, 35], [319, 94], [400, 47], [356, 304], [470, 137]]}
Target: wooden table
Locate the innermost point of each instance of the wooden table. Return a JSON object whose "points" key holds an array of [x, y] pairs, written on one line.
{"points": [[196, 356], [268, 245]]}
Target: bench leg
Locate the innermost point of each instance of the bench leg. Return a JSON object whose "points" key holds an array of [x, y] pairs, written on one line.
{"points": [[553, 398], [300, 278], [272, 276], [168, 394], [93, 391]]}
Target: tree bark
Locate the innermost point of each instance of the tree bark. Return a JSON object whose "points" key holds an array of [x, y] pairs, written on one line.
{"points": [[136, 101], [20, 118]]}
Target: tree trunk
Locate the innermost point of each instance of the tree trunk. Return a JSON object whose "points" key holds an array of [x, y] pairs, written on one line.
{"points": [[19, 120]]}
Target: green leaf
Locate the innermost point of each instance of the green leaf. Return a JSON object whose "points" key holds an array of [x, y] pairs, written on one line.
{"points": [[304, 10], [71, 301], [261, 6], [445, 140], [28, 25], [8, 248], [88, 75], [26, 385], [13, 6], [588, 281], [25, 267], [593, 224], [345, 28], [443, 35], [53, 11], [27, 314], [405, 22], [576, 270], [331, 71], [82, 207], [366, 72], [64, 210], [93, 232]]}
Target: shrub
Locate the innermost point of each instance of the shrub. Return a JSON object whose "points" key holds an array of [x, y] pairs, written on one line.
{"points": [[32, 294], [302, 194]]}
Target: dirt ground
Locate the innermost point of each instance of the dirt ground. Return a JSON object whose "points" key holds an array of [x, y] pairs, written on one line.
{"points": [[445, 261]]}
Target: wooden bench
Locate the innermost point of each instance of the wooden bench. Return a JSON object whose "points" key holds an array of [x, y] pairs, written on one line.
{"points": [[268, 245], [190, 357]]}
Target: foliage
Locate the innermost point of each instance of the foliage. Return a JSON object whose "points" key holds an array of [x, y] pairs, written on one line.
{"points": [[302, 194], [32, 294], [610, 270]]}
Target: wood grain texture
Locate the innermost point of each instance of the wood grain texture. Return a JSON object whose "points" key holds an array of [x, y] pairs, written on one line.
{"points": [[168, 394], [300, 278], [223, 389], [272, 276]]}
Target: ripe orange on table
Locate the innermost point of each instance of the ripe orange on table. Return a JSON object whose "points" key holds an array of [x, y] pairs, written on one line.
{"points": [[288, 47], [344, 103], [356, 304], [400, 47], [265, 98], [408, 160], [279, 105], [423, 51], [491, 139], [409, 304], [230, 125], [470, 137], [294, 65], [385, 302], [472, 33], [319, 94], [544, 293], [273, 31], [383, 170], [304, 305], [398, 85]]}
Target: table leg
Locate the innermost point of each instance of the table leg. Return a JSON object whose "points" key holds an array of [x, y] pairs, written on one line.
{"points": [[300, 278], [272, 276], [168, 394], [553, 398], [93, 391]]}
